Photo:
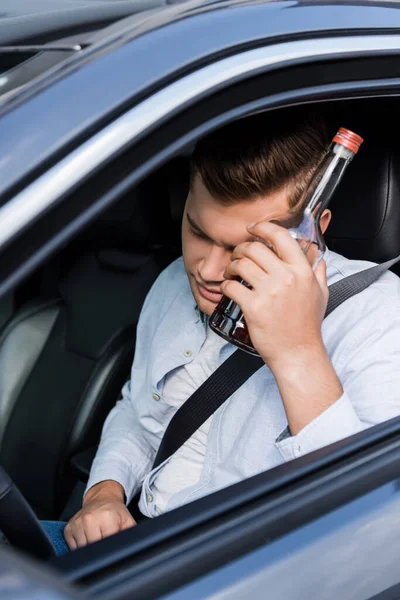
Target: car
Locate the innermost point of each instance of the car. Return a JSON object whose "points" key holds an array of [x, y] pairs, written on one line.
{"points": [[99, 112]]}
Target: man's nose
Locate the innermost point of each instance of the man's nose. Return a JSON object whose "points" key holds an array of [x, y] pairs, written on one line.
{"points": [[213, 266]]}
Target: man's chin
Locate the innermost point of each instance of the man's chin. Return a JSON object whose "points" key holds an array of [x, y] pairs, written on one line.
{"points": [[205, 305]]}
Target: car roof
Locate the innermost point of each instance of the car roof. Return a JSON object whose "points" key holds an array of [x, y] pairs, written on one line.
{"points": [[31, 19], [41, 123], [41, 20], [44, 20]]}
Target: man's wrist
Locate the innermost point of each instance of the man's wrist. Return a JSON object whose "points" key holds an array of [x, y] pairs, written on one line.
{"points": [[297, 358], [308, 384], [108, 488]]}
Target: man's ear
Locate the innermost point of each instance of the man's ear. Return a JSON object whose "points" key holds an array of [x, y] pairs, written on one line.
{"points": [[325, 220]]}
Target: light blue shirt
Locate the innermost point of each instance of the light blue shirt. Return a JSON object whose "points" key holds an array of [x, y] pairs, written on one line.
{"points": [[362, 338]]}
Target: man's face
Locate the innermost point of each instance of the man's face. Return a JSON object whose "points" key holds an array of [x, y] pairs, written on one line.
{"points": [[210, 232]]}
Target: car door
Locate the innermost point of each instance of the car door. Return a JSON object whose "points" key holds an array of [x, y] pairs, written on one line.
{"points": [[21, 579], [322, 525]]}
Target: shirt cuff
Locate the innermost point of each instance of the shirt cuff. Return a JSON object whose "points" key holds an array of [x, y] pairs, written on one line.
{"points": [[114, 471], [337, 422]]}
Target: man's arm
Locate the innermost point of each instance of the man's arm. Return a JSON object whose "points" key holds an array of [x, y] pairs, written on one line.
{"points": [[308, 385], [284, 310], [123, 458], [370, 377], [124, 455]]}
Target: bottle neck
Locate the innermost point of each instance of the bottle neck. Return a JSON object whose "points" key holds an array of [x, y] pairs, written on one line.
{"points": [[326, 179]]}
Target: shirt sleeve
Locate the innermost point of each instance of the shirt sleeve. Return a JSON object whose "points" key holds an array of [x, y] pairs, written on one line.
{"points": [[370, 379], [124, 455]]}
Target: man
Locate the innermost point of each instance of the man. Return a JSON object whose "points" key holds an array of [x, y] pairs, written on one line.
{"points": [[323, 379]]}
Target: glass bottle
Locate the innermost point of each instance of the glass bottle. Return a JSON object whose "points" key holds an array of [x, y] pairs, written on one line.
{"points": [[227, 319]]}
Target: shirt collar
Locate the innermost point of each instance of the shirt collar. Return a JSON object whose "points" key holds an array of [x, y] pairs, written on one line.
{"points": [[199, 315]]}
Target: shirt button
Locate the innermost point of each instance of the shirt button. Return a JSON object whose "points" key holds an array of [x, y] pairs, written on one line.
{"points": [[149, 498], [188, 353], [156, 397]]}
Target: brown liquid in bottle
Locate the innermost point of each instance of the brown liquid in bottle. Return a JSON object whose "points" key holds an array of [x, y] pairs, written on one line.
{"points": [[228, 321]]}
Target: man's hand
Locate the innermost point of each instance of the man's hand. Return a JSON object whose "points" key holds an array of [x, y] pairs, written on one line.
{"points": [[103, 513], [284, 310], [286, 305]]}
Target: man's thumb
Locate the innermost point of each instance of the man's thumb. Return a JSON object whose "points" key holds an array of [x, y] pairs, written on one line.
{"points": [[320, 274]]}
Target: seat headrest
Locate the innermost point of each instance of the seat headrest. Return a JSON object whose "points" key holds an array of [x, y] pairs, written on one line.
{"points": [[366, 206], [177, 178], [140, 219], [103, 293]]}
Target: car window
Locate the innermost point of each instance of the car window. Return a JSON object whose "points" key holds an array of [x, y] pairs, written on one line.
{"points": [[97, 285]]}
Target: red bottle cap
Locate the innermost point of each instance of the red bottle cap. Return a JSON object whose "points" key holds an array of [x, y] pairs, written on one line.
{"points": [[348, 139]]}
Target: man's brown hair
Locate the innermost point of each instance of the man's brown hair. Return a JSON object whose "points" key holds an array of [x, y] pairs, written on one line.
{"points": [[260, 155]]}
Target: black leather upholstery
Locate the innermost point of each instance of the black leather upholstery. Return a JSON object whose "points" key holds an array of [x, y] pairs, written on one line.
{"points": [[80, 350], [76, 377], [21, 342], [366, 207]]}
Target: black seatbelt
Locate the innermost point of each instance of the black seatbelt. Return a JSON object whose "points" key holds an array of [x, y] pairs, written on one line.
{"points": [[240, 366], [344, 289]]}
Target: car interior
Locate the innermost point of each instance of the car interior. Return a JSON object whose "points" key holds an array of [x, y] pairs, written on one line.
{"points": [[67, 335]]}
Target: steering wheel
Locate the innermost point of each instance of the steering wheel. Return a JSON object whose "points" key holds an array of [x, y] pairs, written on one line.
{"points": [[19, 523]]}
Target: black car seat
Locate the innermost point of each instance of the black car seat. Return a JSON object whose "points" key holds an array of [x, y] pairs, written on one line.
{"points": [[63, 360], [365, 210]]}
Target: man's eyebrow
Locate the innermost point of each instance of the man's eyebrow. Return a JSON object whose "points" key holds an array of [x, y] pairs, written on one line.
{"points": [[194, 225], [198, 230]]}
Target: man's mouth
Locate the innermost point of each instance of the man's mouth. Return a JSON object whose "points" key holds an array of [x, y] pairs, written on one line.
{"points": [[211, 295]]}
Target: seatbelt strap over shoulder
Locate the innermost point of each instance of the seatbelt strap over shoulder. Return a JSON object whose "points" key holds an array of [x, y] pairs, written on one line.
{"points": [[349, 286], [240, 366]]}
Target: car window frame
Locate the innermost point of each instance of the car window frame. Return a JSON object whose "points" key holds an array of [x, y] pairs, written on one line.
{"points": [[149, 114], [346, 449], [29, 205]]}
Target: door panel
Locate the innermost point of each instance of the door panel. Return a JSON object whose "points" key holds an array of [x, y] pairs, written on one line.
{"points": [[353, 553]]}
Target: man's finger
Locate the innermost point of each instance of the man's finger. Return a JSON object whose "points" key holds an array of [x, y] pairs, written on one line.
{"points": [[320, 273], [238, 292], [260, 254], [246, 269], [93, 533], [109, 527], [75, 536], [70, 540], [285, 246], [128, 524]]}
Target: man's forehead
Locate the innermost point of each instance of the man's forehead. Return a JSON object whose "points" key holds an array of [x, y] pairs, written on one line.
{"points": [[226, 223], [219, 235], [206, 211]]}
